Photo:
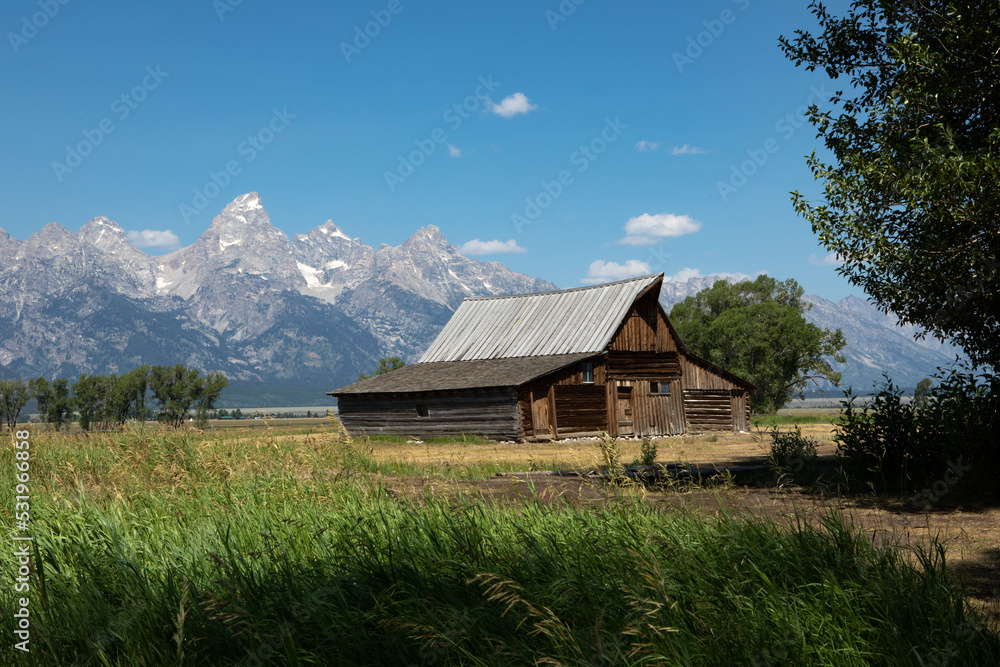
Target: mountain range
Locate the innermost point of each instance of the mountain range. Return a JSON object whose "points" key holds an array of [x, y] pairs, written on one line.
{"points": [[287, 319]]}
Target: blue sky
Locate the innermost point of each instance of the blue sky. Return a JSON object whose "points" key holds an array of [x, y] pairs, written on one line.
{"points": [[576, 140]]}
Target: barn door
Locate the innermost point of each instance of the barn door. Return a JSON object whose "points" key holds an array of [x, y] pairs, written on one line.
{"points": [[626, 418]]}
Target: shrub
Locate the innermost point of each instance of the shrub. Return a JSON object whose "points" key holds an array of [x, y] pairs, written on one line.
{"points": [[793, 455], [889, 444], [647, 453]]}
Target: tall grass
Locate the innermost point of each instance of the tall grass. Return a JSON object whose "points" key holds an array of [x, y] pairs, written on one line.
{"points": [[257, 562]]}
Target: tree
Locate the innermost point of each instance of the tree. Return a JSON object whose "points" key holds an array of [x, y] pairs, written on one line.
{"points": [[178, 388], [912, 201], [126, 396], [89, 395], [212, 387], [921, 395], [385, 365], [14, 395], [41, 390], [60, 405], [755, 329]]}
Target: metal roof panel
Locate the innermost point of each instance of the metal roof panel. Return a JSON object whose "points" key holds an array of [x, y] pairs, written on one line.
{"points": [[573, 321]]}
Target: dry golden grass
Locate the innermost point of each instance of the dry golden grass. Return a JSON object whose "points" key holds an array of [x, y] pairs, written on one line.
{"points": [[703, 449]]}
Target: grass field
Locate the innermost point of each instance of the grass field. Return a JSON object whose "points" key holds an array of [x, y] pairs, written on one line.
{"points": [[296, 546]]}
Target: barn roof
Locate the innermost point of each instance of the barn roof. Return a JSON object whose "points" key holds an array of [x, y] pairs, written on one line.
{"points": [[445, 375], [573, 321]]}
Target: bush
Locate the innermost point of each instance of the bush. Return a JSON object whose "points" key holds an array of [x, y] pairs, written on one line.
{"points": [[793, 456], [647, 453], [948, 445]]}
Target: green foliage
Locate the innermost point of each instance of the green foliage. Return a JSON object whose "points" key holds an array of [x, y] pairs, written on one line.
{"points": [[385, 365], [755, 329], [178, 388], [891, 444], [60, 404], [647, 452], [127, 396], [794, 419], [912, 197], [90, 393], [922, 392], [344, 572], [793, 456], [14, 395], [41, 390]]}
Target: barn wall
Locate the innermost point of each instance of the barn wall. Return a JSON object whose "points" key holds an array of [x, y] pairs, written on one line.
{"points": [[638, 331], [643, 365], [576, 407], [490, 413], [665, 341], [713, 402], [638, 411], [699, 376]]}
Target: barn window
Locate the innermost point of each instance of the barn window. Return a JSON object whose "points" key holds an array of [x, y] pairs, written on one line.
{"points": [[659, 388], [588, 373], [421, 410]]}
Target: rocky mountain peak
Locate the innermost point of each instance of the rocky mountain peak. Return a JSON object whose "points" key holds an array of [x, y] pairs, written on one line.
{"points": [[429, 236], [104, 234], [327, 233], [53, 240], [245, 224], [427, 246], [248, 202]]}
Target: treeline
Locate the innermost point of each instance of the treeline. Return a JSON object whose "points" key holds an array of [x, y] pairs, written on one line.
{"points": [[108, 401]]}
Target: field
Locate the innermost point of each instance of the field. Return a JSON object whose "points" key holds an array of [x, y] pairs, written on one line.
{"points": [[297, 545]]}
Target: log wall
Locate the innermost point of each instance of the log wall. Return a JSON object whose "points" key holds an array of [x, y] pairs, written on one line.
{"points": [[644, 365], [708, 409], [580, 407], [489, 413]]}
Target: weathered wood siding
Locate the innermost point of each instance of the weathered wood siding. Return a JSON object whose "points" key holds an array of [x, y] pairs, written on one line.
{"points": [[708, 409], [665, 340], [638, 331], [635, 410], [540, 402], [580, 408], [489, 413], [729, 410], [644, 365]]}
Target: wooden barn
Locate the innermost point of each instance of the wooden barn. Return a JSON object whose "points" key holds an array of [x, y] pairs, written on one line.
{"points": [[584, 361]]}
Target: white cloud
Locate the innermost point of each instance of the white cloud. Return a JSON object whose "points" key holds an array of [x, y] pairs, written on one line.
{"points": [[687, 274], [454, 151], [494, 247], [689, 150], [644, 146], [829, 260], [604, 272], [512, 105], [649, 229], [153, 238]]}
